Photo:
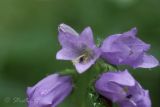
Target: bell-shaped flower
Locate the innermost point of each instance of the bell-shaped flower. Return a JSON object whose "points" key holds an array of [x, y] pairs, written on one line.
{"points": [[127, 49], [123, 89], [50, 91], [78, 48]]}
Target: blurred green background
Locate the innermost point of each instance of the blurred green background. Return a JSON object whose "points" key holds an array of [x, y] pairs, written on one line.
{"points": [[28, 40]]}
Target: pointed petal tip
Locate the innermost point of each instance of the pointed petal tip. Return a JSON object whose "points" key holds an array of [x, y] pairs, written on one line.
{"points": [[29, 91], [58, 56], [126, 70], [60, 26], [134, 28], [67, 29], [81, 68], [66, 54], [80, 71], [88, 28], [149, 61], [133, 31]]}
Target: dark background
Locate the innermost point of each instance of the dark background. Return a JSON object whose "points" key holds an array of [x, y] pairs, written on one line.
{"points": [[28, 39]]}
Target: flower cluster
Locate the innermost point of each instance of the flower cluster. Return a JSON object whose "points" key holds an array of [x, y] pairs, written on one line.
{"points": [[80, 48]]}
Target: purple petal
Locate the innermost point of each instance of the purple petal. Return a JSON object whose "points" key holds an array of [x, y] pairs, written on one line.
{"points": [[127, 80], [83, 67], [107, 45], [112, 91], [122, 78], [53, 78], [127, 103], [67, 30], [67, 54], [87, 37], [140, 44], [131, 32], [145, 101], [66, 36], [148, 61]]}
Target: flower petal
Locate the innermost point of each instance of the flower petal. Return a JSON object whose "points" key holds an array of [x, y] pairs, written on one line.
{"points": [[87, 37], [148, 61], [67, 37], [131, 32], [107, 45], [127, 103], [80, 67], [145, 102], [67, 54], [67, 30], [122, 78]]}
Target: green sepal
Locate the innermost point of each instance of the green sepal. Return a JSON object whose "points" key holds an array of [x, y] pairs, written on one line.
{"points": [[103, 66], [68, 72]]}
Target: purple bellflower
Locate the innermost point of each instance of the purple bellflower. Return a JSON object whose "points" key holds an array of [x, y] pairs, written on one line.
{"points": [[79, 48], [127, 49], [50, 91], [123, 89]]}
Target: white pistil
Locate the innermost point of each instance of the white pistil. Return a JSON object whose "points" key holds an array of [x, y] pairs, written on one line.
{"points": [[133, 102]]}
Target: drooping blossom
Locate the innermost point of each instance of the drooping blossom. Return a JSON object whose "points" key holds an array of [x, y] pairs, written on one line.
{"points": [[50, 91], [79, 48], [128, 49], [123, 89]]}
